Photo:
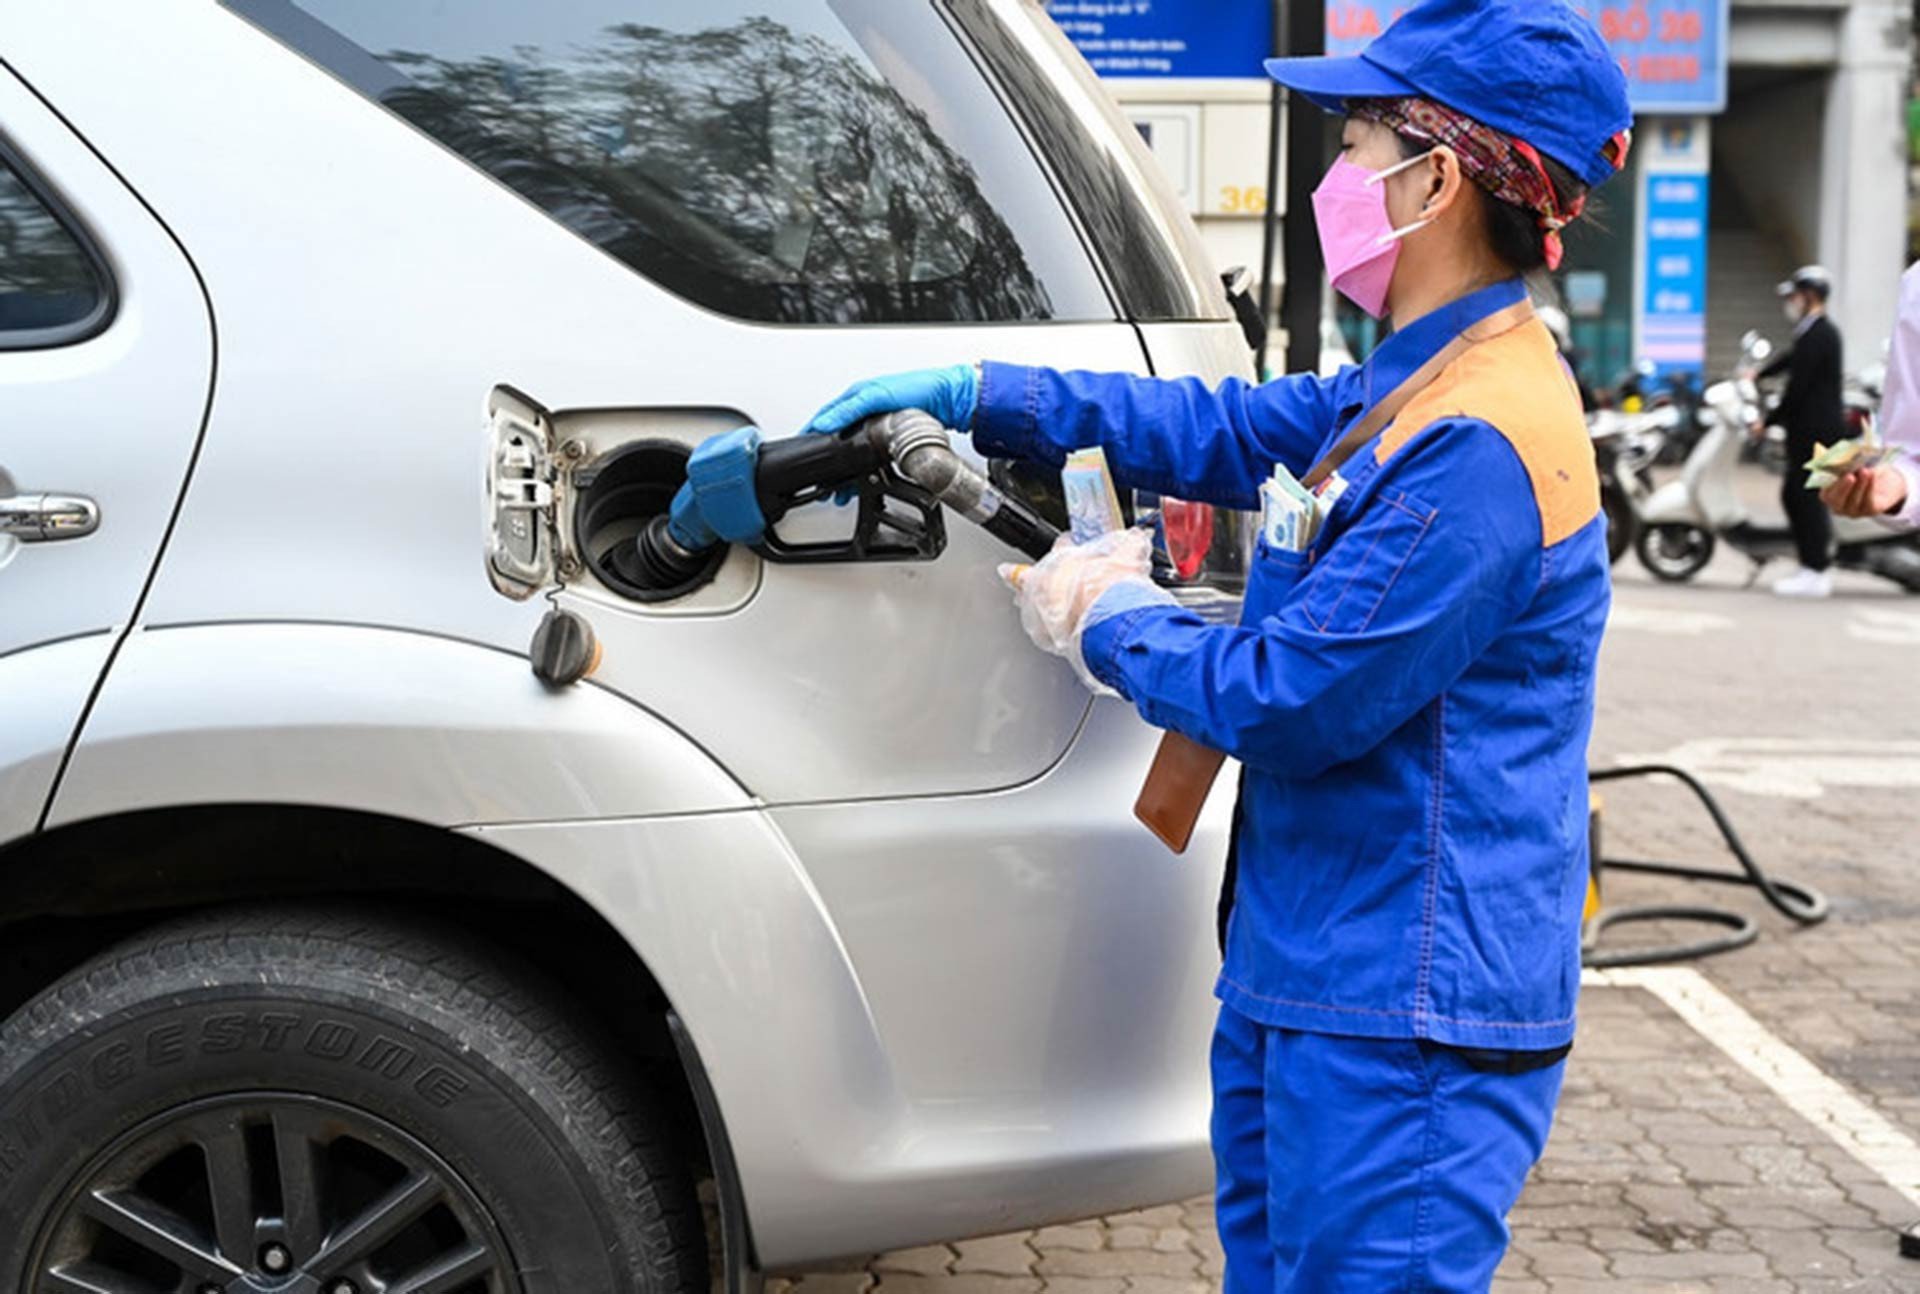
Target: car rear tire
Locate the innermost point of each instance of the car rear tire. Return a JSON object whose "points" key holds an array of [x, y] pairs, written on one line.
{"points": [[266, 1100], [1674, 553]]}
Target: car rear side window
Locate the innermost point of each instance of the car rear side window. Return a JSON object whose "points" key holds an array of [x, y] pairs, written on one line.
{"points": [[52, 289], [794, 161]]}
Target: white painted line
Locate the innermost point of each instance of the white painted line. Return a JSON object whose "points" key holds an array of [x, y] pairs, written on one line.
{"points": [[1894, 628], [1667, 622], [1853, 1125], [1792, 768]]}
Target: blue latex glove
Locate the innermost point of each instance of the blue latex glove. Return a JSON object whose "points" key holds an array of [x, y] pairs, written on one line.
{"points": [[949, 394]]}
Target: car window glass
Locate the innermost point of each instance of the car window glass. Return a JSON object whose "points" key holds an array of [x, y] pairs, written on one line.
{"points": [[1151, 252], [799, 161], [50, 290]]}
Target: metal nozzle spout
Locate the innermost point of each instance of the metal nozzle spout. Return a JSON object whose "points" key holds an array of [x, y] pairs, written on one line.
{"points": [[923, 452]]}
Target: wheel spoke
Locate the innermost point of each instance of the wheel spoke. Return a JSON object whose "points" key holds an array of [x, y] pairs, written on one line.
{"points": [[188, 1202], [446, 1274], [84, 1278], [160, 1231], [299, 1160], [230, 1181], [380, 1222]]}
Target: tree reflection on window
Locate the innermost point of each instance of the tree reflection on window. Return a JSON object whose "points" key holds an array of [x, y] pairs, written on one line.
{"points": [[46, 280], [762, 172]]}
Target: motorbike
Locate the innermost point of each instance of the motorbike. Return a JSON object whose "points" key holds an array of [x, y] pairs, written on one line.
{"points": [[1682, 522], [1625, 447]]}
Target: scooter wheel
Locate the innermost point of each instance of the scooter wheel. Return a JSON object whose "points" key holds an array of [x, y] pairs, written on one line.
{"points": [[1620, 524], [1674, 553]]}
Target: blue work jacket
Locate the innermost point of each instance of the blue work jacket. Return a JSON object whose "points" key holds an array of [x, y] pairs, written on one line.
{"points": [[1411, 698]]}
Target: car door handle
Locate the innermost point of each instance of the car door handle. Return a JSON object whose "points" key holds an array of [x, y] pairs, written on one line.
{"points": [[42, 518]]}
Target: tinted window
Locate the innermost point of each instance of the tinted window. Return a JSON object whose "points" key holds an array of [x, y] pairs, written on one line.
{"points": [[801, 161], [1150, 253], [50, 289]]}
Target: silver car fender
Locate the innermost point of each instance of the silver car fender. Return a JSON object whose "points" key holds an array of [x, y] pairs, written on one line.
{"points": [[409, 725]]}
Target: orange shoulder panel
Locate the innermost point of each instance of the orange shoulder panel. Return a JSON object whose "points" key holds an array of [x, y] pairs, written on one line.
{"points": [[1516, 384]]}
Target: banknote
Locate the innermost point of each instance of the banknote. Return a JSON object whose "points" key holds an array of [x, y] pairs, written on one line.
{"points": [[1093, 505], [1831, 462]]}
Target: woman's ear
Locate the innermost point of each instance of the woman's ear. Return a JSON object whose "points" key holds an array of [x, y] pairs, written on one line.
{"points": [[1443, 181]]}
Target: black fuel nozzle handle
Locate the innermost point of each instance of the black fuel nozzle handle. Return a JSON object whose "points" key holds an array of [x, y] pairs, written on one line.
{"points": [[805, 469]]}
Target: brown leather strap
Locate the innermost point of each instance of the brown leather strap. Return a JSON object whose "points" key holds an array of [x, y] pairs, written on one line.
{"points": [[1378, 418], [1184, 771]]}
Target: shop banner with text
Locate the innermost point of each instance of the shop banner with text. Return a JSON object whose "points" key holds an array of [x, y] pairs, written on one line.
{"points": [[1674, 52], [1169, 38]]}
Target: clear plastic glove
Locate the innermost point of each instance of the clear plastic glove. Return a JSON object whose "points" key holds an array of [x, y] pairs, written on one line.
{"points": [[949, 394], [1056, 596]]}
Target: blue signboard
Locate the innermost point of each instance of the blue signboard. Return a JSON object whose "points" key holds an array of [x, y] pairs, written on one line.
{"points": [[1169, 38], [1674, 52], [1673, 320]]}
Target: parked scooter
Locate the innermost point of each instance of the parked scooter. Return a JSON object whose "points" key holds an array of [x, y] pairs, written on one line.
{"points": [[1625, 446], [1684, 520]]}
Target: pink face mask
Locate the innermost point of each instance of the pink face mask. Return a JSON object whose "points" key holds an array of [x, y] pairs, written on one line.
{"points": [[1357, 237]]}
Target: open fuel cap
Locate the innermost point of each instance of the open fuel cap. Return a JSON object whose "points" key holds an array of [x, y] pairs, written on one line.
{"points": [[564, 649], [1910, 1242]]}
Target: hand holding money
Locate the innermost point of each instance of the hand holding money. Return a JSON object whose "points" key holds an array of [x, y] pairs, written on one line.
{"points": [[1861, 454], [1868, 492]]}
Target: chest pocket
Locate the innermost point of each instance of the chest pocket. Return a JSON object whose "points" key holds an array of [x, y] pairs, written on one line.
{"points": [[1275, 575], [1351, 581]]}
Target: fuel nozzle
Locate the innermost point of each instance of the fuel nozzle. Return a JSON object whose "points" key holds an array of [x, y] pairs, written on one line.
{"points": [[902, 466]]}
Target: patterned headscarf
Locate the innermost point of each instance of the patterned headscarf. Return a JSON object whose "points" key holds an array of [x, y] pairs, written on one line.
{"points": [[1510, 169]]}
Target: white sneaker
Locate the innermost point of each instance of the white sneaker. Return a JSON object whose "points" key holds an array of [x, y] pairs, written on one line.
{"points": [[1804, 583]]}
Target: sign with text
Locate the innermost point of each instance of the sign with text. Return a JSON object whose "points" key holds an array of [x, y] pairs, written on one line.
{"points": [[1169, 38], [1672, 327], [1674, 52]]}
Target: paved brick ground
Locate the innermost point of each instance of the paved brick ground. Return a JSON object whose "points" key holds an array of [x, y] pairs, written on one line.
{"points": [[1671, 1169]]}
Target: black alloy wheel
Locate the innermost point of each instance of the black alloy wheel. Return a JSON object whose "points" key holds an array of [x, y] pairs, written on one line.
{"points": [[292, 1101], [271, 1192]]}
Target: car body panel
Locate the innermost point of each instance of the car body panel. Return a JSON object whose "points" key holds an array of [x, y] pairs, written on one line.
{"points": [[341, 477], [1000, 1022], [113, 418], [43, 687], [405, 724]]}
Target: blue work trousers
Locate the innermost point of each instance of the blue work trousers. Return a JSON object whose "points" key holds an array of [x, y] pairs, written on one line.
{"points": [[1366, 1165]]}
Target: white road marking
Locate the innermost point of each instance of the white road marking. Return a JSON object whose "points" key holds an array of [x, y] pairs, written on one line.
{"points": [[1853, 1125], [1896, 628], [1794, 768], [1666, 621]]}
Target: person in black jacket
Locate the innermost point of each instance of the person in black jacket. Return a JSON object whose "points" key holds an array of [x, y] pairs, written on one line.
{"points": [[1810, 410]]}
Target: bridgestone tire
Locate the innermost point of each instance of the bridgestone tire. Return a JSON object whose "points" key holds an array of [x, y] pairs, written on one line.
{"points": [[454, 1046]]}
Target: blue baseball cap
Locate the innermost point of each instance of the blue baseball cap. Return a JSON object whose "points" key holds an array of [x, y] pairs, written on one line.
{"points": [[1534, 69]]}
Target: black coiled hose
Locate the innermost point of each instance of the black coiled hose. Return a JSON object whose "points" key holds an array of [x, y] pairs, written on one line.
{"points": [[1799, 903]]}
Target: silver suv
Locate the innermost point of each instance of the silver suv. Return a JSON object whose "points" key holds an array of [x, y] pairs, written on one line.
{"points": [[343, 955]]}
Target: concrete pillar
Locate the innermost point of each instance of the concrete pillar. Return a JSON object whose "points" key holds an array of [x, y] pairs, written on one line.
{"points": [[1863, 181]]}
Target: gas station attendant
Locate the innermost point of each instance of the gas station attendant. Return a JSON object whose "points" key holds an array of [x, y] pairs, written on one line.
{"points": [[1410, 688]]}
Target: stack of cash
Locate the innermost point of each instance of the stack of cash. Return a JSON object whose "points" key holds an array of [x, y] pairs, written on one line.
{"points": [[1290, 513], [1832, 462], [1093, 505]]}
